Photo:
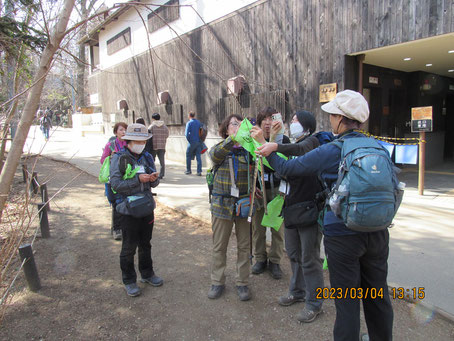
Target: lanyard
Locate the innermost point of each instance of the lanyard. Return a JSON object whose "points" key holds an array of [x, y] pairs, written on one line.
{"points": [[232, 170]]}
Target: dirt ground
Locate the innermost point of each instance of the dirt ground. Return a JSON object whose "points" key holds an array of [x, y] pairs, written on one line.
{"points": [[82, 297]]}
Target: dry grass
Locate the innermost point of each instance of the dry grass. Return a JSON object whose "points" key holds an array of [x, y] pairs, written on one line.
{"points": [[15, 230]]}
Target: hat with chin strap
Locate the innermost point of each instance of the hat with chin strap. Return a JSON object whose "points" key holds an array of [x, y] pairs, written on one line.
{"points": [[350, 104]]}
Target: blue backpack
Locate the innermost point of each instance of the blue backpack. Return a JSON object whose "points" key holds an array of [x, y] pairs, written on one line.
{"points": [[367, 193]]}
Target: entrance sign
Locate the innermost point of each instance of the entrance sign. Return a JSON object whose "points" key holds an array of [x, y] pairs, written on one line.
{"points": [[328, 92], [373, 80], [421, 119]]}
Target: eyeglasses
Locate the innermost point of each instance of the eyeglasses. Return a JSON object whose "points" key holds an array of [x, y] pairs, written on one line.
{"points": [[235, 124]]}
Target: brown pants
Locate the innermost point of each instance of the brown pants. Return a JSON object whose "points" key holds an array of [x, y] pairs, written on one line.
{"points": [[222, 230], [259, 238]]}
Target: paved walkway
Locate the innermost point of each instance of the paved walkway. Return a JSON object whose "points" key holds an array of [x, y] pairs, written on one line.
{"points": [[422, 240]]}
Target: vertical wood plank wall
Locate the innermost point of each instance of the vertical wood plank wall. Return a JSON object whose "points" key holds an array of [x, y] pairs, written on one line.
{"points": [[280, 46]]}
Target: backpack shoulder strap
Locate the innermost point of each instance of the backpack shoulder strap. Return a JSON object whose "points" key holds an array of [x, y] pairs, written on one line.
{"points": [[149, 158], [339, 143], [112, 143], [123, 161]]}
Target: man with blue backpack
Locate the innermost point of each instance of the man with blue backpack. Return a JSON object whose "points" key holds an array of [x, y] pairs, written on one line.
{"points": [[364, 198]]}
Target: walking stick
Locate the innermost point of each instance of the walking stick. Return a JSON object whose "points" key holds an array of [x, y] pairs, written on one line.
{"points": [[251, 206], [262, 176]]}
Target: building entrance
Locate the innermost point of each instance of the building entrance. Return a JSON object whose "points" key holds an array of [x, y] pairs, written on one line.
{"points": [[415, 74]]}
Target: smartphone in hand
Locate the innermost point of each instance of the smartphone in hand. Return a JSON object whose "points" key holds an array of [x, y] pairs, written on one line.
{"points": [[278, 118]]}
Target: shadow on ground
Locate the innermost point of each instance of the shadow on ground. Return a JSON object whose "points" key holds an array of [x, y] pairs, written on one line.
{"points": [[83, 299]]}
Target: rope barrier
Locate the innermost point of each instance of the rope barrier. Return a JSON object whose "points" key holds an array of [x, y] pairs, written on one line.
{"points": [[389, 139]]}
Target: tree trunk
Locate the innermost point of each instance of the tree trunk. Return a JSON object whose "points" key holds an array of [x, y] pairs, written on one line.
{"points": [[80, 78], [32, 103]]}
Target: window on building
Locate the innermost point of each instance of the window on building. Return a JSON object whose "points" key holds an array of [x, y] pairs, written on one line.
{"points": [[94, 57], [121, 40], [169, 12]]}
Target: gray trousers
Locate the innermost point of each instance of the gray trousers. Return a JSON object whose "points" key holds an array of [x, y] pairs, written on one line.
{"points": [[162, 160], [303, 249]]}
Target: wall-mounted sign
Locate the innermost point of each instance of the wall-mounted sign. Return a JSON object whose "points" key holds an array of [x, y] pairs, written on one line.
{"points": [[328, 92], [421, 119], [373, 80]]}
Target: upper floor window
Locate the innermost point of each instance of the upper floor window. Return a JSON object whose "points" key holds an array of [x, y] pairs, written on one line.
{"points": [[119, 41], [169, 12]]}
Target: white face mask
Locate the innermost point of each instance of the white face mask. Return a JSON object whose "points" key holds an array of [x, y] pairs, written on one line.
{"points": [[136, 148], [297, 130]]}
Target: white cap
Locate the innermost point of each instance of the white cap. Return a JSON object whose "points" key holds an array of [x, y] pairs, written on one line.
{"points": [[350, 104]]}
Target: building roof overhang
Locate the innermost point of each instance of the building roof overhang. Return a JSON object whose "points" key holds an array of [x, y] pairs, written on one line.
{"points": [[433, 55], [92, 37]]}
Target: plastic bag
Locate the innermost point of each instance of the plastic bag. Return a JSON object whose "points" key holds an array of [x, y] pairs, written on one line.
{"points": [[104, 173], [274, 218]]}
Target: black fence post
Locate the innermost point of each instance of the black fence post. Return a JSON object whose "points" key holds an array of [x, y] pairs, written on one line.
{"points": [[30, 270], [24, 173], [43, 221], [35, 183], [45, 196]]}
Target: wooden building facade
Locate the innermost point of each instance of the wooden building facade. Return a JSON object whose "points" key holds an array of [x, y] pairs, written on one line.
{"points": [[285, 49]]}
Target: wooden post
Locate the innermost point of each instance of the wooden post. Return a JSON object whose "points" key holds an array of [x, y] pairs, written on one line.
{"points": [[24, 173], [34, 182], [45, 196], [422, 161], [30, 270], [43, 221], [360, 59]]}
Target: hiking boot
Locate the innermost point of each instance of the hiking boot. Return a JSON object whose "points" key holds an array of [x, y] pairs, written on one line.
{"points": [[132, 289], [243, 292], [117, 235], [289, 299], [215, 291], [258, 268], [275, 270], [188, 172], [153, 280], [307, 315]]}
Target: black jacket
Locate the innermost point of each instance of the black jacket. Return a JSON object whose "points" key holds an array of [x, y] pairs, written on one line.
{"points": [[302, 188]]}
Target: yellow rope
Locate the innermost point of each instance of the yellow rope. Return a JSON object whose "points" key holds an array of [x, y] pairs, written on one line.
{"points": [[387, 139]]}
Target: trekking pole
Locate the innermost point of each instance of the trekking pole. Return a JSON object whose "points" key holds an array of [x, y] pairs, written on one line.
{"points": [[251, 206], [262, 176]]}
